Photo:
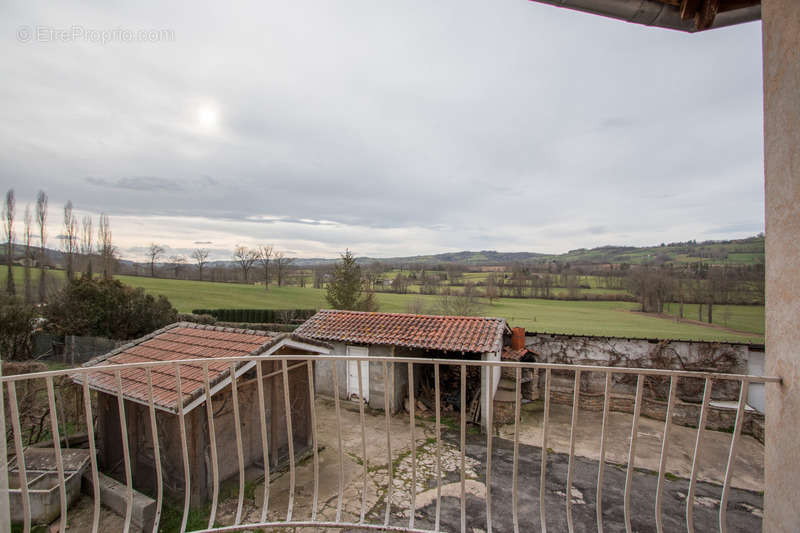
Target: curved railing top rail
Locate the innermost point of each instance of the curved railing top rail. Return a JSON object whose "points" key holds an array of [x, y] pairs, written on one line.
{"points": [[413, 360], [390, 522]]}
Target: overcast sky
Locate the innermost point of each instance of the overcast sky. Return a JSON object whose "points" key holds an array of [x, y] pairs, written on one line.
{"points": [[391, 128]]}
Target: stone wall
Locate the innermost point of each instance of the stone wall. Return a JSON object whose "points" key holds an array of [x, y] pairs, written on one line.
{"points": [[638, 353]]}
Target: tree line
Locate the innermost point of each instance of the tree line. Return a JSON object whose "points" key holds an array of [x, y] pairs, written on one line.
{"points": [[82, 247], [263, 263]]}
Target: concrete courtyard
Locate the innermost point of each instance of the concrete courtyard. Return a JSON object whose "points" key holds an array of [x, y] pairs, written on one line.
{"points": [[744, 510], [744, 506]]}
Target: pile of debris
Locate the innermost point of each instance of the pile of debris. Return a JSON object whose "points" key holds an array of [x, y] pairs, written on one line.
{"points": [[450, 388]]}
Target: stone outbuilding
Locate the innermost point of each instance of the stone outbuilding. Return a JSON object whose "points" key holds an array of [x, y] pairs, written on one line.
{"points": [[372, 334], [193, 341]]}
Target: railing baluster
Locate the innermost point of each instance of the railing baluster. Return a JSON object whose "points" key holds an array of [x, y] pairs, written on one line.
{"points": [[411, 406], [126, 453], [87, 410], [212, 436], [662, 465], [290, 437], [118, 384], [262, 413], [13, 411], [698, 444], [737, 430], [5, 512], [438, 446], [545, 430], [517, 402], [387, 409], [313, 412], [463, 447], [489, 432], [156, 450], [637, 408], [576, 399], [237, 426], [64, 431], [602, 463], [339, 437], [187, 477], [51, 399], [363, 443]]}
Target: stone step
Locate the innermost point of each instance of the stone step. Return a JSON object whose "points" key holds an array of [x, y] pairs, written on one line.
{"points": [[114, 495]]}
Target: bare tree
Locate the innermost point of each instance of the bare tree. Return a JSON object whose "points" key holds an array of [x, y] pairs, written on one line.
{"points": [[320, 274], [491, 287], [177, 262], [281, 263], [41, 220], [69, 240], [465, 303], [8, 230], [265, 253], [27, 235], [400, 284], [106, 247], [200, 256], [154, 252], [87, 245], [245, 257], [9, 210], [653, 286]]}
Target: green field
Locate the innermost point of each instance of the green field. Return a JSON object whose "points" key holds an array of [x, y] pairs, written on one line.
{"points": [[588, 318], [617, 319], [739, 317]]}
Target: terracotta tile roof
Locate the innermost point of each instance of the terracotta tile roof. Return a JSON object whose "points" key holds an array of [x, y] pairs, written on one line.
{"points": [[448, 333], [173, 343], [524, 355]]}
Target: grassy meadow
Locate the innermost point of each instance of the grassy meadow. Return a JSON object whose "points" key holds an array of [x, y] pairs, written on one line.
{"points": [[578, 317], [739, 317]]}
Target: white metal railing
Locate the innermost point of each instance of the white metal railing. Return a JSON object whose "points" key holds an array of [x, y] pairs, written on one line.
{"points": [[388, 364]]}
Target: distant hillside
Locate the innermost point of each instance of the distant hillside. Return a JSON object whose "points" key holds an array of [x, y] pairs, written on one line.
{"points": [[737, 252], [484, 257], [749, 251]]}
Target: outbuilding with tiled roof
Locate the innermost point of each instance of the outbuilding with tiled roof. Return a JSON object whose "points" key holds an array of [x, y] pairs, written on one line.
{"points": [[210, 351], [373, 334]]}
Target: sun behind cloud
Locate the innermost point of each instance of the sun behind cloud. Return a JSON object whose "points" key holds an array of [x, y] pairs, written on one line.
{"points": [[207, 117]]}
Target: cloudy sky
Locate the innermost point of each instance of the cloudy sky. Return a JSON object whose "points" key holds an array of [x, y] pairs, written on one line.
{"points": [[391, 128]]}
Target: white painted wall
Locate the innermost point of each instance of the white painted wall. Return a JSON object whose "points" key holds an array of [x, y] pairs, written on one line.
{"points": [[486, 387], [756, 392]]}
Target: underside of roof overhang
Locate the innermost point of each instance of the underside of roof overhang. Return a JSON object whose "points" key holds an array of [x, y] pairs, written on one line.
{"points": [[682, 15]]}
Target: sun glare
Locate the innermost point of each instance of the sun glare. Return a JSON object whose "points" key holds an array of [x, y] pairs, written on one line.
{"points": [[207, 117]]}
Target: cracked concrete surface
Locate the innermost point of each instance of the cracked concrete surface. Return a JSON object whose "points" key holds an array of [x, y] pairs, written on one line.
{"points": [[744, 505], [748, 472]]}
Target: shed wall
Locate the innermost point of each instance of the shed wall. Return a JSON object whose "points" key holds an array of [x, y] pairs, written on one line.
{"points": [[197, 434]]}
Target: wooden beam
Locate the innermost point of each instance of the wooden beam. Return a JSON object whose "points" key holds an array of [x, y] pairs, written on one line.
{"points": [[689, 9], [706, 15]]}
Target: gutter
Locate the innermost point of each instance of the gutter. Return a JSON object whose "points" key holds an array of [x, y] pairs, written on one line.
{"points": [[656, 13]]}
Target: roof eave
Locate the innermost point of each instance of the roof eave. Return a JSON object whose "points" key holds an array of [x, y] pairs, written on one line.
{"points": [[658, 14]]}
